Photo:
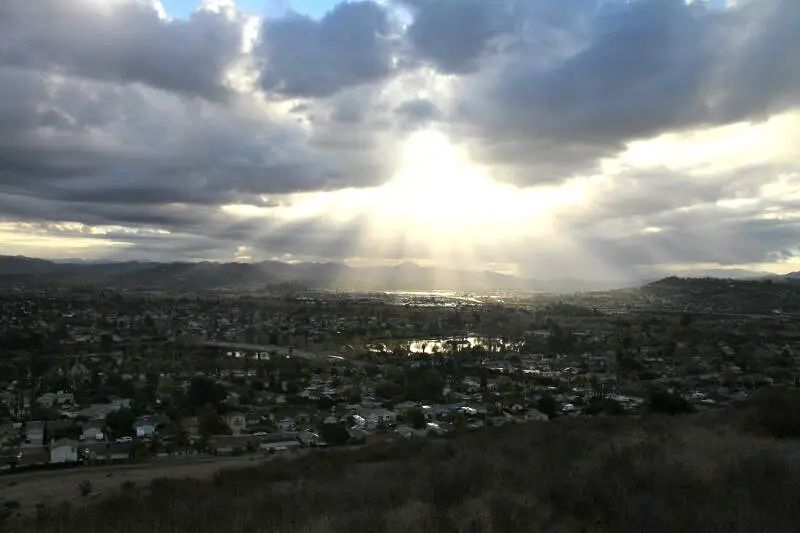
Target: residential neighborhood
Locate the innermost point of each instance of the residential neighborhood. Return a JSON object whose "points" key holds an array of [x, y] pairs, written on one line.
{"points": [[115, 376]]}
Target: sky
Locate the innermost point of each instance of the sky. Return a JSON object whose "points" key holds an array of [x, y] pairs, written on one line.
{"points": [[315, 8], [543, 138]]}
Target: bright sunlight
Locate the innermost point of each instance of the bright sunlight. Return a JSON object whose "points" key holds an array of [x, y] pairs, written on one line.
{"points": [[438, 205]]}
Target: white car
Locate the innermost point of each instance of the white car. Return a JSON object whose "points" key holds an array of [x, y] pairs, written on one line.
{"points": [[125, 439]]}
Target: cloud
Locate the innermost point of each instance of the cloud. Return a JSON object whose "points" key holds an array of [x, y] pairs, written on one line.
{"points": [[122, 41], [650, 67], [676, 123], [454, 34], [349, 46], [417, 111]]}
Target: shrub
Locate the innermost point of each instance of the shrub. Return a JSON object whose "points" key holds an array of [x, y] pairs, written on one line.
{"points": [[777, 411], [611, 474], [666, 402], [85, 487]]}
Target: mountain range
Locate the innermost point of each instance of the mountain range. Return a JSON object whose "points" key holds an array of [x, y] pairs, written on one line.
{"points": [[211, 275]]}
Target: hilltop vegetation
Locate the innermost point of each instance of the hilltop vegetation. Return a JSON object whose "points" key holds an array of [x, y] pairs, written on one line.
{"points": [[711, 472]]}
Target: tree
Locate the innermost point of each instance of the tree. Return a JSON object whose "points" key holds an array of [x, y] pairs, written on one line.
{"points": [[606, 406], [334, 434], [139, 450], [665, 402], [325, 403], [127, 389], [547, 405], [388, 389], [121, 422], [777, 410], [504, 384], [352, 395], [203, 391], [210, 423], [426, 387], [416, 417]]}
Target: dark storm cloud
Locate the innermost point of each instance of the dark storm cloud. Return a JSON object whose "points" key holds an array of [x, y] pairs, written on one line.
{"points": [[453, 34], [349, 46], [122, 41], [135, 145]]}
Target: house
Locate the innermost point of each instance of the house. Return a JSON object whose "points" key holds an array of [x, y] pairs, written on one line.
{"points": [[378, 417], [114, 451], [433, 428], [119, 451], [152, 420], [54, 427], [237, 422], [145, 431], [358, 434], [280, 441], [308, 438], [64, 451], [92, 433], [56, 399], [231, 444], [286, 423]]}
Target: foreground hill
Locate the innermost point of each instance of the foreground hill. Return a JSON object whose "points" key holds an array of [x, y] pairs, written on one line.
{"points": [[696, 473]]}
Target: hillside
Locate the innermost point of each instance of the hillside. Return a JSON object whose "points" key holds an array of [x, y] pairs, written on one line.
{"points": [[765, 296], [696, 473], [209, 276]]}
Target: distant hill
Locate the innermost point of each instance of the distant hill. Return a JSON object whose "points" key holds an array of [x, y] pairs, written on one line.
{"points": [[722, 273], [793, 275], [186, 276], [210, 275]]}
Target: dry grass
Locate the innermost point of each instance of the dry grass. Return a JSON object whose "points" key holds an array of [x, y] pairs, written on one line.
{"points": [[651, 474]]}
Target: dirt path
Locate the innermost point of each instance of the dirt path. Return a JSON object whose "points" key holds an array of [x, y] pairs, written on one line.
{"points": [[53, 487]]}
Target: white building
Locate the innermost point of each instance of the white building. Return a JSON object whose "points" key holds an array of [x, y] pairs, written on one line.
{"points": [[64, 451]]}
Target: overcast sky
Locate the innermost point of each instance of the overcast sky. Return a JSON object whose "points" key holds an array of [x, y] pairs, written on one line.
{"points": [[539, 137]]}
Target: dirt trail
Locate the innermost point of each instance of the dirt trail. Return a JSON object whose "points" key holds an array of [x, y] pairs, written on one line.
{"points": [[53, 487]]}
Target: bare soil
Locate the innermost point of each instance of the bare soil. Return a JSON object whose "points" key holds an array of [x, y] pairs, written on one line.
{"points": [[54, 487]]}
